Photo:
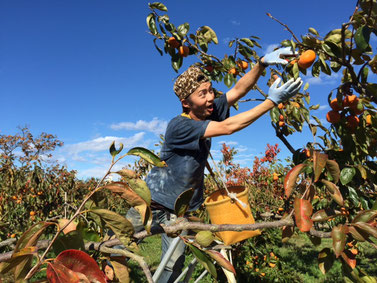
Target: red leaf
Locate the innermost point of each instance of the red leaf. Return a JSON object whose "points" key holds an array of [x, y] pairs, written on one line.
{"points": [[319, 162], [80, 261], [339, 237], [291, 178], [303, 212], [58, 273]]}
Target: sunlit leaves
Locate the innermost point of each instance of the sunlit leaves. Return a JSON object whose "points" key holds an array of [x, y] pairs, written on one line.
{"points": [[183, 29], [338, 235], [346, 175], [158, 6], [203, 259], [303, 212], [151, 23], [291, 178], [313, 31], [147, 155]]}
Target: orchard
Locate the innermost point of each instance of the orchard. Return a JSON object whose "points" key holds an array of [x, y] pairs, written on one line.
{"points": [[327, 190]]}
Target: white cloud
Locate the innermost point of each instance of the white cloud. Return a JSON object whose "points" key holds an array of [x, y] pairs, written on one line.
{"points": [[324, 79], [231, 143], [101, 144], [155, 126], [241, 148], [323, 107], [235, 23]]}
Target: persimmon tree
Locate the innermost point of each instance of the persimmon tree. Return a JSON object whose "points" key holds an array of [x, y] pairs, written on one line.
{"points": [[339, 163]]}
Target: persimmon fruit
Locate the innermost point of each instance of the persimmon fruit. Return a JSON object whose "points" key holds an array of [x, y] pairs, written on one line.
{"points": [[333, 117], [173, 42], [352, 122], [306, 59], [243, 65], [184, 51], [334, 104]]}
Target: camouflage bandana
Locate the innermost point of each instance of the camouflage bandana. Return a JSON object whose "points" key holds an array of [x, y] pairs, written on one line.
{"points": [[189, 81]]}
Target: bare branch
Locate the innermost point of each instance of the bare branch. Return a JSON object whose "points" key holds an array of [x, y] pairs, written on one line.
{"points": [[284, 25]]}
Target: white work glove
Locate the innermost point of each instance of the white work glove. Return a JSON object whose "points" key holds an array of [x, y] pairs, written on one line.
{"points": [[284, 92], [273, 58]]}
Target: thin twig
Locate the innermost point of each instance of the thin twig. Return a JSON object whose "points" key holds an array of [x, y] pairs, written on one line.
{"points": [[284, 25]]}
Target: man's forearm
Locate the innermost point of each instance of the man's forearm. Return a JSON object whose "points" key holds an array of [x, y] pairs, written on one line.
{"points": [[239, 121], [244, 84]]}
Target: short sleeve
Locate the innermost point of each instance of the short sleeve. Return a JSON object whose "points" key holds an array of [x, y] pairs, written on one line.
{"points": [[221, 109], [185, 133]]}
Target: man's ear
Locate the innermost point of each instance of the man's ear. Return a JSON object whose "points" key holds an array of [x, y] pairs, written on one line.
{"points": [[185, 103]]}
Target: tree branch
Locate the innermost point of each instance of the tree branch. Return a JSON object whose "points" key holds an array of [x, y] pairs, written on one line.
{"points": [[284, 25]]}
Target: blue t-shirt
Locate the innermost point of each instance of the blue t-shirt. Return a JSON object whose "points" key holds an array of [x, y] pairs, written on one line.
{"points": [[185, 152]]}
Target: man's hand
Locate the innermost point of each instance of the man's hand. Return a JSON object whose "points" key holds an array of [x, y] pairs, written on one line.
{"points": [[284, 92], [274, 58]]}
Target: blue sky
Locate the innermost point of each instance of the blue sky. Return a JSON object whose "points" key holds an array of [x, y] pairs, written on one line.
{"points": [[87, 70]]}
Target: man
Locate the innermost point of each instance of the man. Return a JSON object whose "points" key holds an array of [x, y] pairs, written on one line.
{"points": [[187, 141]]}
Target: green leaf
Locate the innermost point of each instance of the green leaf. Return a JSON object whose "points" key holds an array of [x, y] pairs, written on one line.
{"points": [[122, 228], [314, 107], [362, 36], [228, 81], [72, 240], [363, 171], [176, 62], [203, 259], [113, 151], [333, 168], [274, 113], [147, 155], [183, 29], [335, 66], [291, 178], [303, 212], [319, 162], [346, 175], [339, 237], [306, 86], [209, 34], [182, 202], [247, 41], [316, 69], [158, 6], [151, 22], [332, 49], [324, 67], [325, 260], [295, 71], [120, 269], [158, 48], [313, 31]]}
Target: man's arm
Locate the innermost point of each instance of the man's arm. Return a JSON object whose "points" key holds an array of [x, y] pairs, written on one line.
{"points": [[237, 122], [276, 95], [244, 84]]}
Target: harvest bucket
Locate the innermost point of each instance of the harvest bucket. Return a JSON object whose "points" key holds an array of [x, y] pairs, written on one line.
{"points": [[223, 210]]}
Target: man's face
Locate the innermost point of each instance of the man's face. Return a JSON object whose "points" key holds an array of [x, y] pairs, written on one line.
{"points": [[200, 102]]}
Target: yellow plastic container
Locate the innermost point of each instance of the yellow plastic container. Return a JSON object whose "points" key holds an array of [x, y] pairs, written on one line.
{"points": [[222, 210]]}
